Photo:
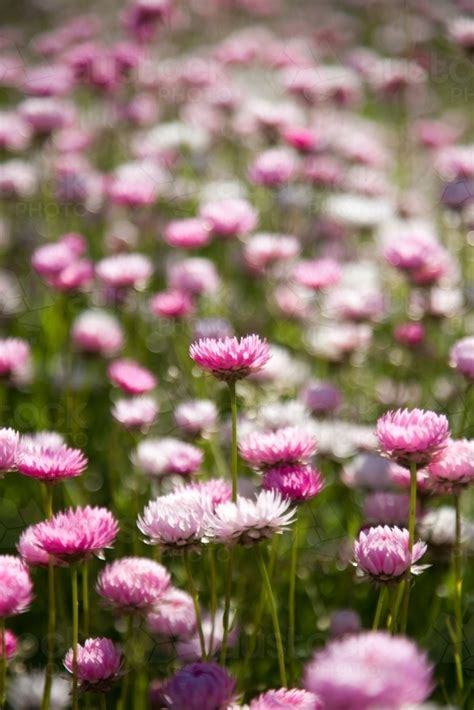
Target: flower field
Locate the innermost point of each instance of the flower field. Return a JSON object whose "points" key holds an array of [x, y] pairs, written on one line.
{"points": [[237, 355]]}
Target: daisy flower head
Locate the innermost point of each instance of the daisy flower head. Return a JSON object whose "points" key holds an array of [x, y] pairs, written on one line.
{"points": [[229, 358]]}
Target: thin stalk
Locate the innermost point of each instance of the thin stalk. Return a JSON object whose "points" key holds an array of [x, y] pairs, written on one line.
{"points": [[234, 460], [380, 606], [411, 539], [3, 664], [48, 491], [75, 635], [213, 576], [291, 603], [227, 598], [396, 607], [126, 678], [457, 563], [197, 607], [274, 614], [102, 701], [85, 598]]}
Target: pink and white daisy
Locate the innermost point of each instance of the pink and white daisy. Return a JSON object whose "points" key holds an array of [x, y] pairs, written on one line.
{"points": [[16, 587], [49, 463], [133, 584], [293, 699], [383, 553], [462, 357], [9, 443], [288, 445], [188, 233], [273, 168], [318, 274], [76, 534], [412, 435], [96, 331], [196, 416], [131, 377], [15, 356], [195, 276], [171, 304], [230, 217], [230, 359], [265, 249], [248, 521], [454, 469], [135, 412], [294, 481], [99, 662], [167, 456], [173, 616], [125, 271], [176, 520], [30, 550]]}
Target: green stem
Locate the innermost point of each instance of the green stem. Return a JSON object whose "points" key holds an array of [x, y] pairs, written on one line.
{"points": [[227, 598], [126, 678], [48, 682], [291, 604], [3, 664], [75, 635], [274, 614], [379, 609], [457, 564], [213, 576], [411, 540], [234, 459], [102, 701], [85, 598], [197, 607], [396, 607]]}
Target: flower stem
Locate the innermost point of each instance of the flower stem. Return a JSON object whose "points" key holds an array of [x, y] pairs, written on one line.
{"points": [[85, 598], [396, 607], [102, 701], [197, 607], [411, 539], [457, 562], [75, 635], [48, 489], [274, 614], [126, 678], [380, 606], [227, 598], [213, 576], [291, 603], [3, 664], [233, 411]]}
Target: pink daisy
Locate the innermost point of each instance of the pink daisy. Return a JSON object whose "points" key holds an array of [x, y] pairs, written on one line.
{"points": [[293, 699], [188, 233], [9, 443], [16, 587], [230, 359], [383, 553], [176, 520], [454, 469], [288, 445], [171, 304], [296, 482], [99, 662], [318, 274], [136, 412], [173, 616], [167, 456], [414, 435], [49, 463], [131, 377], [133, 584]]}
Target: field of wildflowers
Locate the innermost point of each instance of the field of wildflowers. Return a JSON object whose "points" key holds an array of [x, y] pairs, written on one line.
{"points": [[237, 355]]}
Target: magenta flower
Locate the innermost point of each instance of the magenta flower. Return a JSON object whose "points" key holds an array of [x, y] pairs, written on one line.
{"points": [[363, 672], [454, 469], [293, 699], [248, 521], [76, 534], [49, 260], [16, 587], [173, 616], [99, 662], [188, 233], [49, 463], [171, 304], [199, 686], [10, 644], [131, 377], [294, 481], [176, 520], [230, 217], [133, 584], [412, 435], [9, 442], [383, 553], [196, 416], [125, 271], [288, 445], [410, 334], [230, 359], [136, 412], [14, 356], [167, 456], [318, 274], [98, 332], [462, 357]]}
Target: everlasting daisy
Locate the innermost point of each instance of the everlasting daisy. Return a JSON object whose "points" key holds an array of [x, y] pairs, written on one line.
{"points": [[175, 521], [125, 271], [230, 359], [288, 445], [454, 469], [14, 356], [386, 508], [133, 584], [171, 304], [99, 662], [75, 534], [293, 699], [173, 615], [188, 233], [131, 377], [199, 686], [30, 550], [49, 463], [462, 357], [140, 411], [318, 274], [16, 587], [342, 674], [230, 217], [167, 456], [196, 416], [296, 482], [383, 553], [414, 435], [9, 443], [249, 521], [98, 332], [196, 277]]}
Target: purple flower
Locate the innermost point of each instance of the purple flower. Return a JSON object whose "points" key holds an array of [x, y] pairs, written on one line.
{"points": [[383, 554], [199, 686], [386, 508], [365, 672], [294, 481], [412, 435], [230, 359], [133, 584]]}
